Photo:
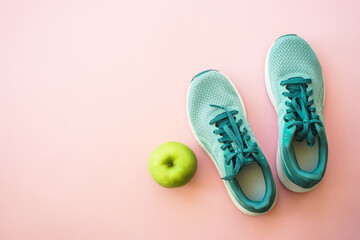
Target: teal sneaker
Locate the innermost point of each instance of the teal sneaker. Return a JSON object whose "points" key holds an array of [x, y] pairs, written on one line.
{"points": [[295, 86], [217, 119]]}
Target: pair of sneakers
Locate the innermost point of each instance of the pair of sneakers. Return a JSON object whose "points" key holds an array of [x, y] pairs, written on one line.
{"points": [[217, 117]]}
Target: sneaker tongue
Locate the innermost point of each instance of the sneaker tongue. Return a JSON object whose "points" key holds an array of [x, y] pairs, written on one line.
{"points": [[250, 160], [290, 133]]}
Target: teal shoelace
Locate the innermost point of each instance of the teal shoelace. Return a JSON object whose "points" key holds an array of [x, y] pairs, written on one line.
{"points": [[236, 145], [300, 111]]}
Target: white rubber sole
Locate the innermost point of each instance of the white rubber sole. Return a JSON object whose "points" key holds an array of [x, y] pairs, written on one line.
{"points": [[241, 208], [280, 171]]}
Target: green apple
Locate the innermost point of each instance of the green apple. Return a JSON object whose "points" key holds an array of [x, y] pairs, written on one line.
{"points": [[172, 164]]}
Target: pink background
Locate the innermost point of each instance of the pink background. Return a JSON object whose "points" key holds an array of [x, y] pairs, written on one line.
{"points": [[88, 89]]}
